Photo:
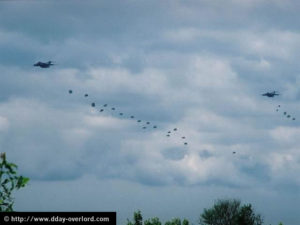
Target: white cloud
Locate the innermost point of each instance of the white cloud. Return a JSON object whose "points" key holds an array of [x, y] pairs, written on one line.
{"points": [[4, 123], [286, 135], [211, 74], [150, 81], [76, 137], [261, 43]]}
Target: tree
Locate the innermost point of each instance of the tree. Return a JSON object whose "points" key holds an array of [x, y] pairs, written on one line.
{"points": [[230, 212], [247, 216], [9, 181], [137, 219], [175, 221], [153, 221], [185, 222]]}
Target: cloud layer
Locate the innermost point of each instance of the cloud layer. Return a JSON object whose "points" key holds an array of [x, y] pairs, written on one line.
{"points": [[194, 65]]}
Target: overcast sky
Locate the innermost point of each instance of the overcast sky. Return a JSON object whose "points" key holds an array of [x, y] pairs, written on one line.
{"points": [[200, 66]]}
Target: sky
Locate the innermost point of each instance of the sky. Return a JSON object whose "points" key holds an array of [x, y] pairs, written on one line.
{"points": [[198, 66]]}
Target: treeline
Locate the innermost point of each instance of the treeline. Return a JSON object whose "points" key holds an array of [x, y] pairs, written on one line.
{"points": [[138, 220], [223, 212]]}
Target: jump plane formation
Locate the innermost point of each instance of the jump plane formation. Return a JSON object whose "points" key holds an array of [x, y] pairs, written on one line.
{"points": [[278, 108], [147, 124]]}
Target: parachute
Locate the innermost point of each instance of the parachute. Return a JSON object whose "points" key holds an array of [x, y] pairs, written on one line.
{"points": [[144, 127], [285, 113]]}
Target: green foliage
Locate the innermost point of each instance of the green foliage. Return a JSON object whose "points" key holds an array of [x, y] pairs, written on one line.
{"points": [[247, 216], [222, 213], [137, 219], [129, 222], [153, 221], [185, 222], [175, 221], [230, 212], [9, 181], [280, 223]]}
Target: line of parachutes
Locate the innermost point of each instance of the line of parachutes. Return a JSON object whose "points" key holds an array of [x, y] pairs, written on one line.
{"points": [[285, 113], [105, 107]]}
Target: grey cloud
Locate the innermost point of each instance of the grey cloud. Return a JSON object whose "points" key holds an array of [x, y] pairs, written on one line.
{"points": [[205, 154], [195, 65], [174, 153]]}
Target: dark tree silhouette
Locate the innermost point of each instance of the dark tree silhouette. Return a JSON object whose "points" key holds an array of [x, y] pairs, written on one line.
{"points": [[137, 219], [230, 212], [152, 221]]}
